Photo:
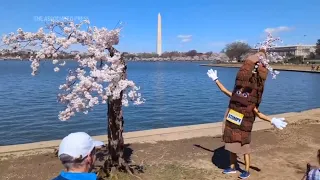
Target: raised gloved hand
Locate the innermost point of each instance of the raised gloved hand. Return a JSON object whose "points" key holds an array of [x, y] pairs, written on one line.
{"points": [[213, 74], [279, 122]]}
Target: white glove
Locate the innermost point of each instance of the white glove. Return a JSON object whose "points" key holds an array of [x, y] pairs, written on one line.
{"points": [[279, 122], [213, 74]]}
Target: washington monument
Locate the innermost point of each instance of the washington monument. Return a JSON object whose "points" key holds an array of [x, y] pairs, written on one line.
{"points": [[159, 37]]}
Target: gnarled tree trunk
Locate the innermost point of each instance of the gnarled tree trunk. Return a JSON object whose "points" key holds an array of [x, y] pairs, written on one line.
{"points": [[115, 128]]}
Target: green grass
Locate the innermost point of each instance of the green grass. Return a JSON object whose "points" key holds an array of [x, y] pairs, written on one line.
{"points": [[166, 172]]}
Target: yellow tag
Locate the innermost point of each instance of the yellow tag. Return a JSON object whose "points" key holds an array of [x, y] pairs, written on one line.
{"points": [[235, 117]]}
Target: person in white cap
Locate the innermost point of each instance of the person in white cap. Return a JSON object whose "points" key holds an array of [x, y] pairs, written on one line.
{"points": [[77, 155]]}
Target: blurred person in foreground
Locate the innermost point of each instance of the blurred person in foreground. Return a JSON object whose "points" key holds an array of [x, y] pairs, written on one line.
{"points": [[77, 155], [314, 174]]}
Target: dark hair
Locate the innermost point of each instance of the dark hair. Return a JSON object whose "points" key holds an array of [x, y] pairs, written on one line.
{"points": [[70, 162], [319, 156]]}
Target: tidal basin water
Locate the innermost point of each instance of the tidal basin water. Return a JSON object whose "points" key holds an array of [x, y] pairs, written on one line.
{"points": [[176, 93]]}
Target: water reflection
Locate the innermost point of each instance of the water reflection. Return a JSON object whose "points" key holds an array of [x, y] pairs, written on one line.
{"points": [[159, 86]]}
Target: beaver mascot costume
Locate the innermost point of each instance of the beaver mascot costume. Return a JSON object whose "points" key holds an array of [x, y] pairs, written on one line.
{"points": [[244, 108]]}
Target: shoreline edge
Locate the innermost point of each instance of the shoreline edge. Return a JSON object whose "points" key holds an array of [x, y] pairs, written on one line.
{"points": [[294, 68], [152, 135]]}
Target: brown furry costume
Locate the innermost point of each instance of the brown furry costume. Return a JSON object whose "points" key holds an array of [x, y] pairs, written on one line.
{"points": [[247, 95]]}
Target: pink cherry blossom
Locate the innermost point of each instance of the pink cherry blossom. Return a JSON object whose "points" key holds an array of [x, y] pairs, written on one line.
{"points": [[269, 42]]}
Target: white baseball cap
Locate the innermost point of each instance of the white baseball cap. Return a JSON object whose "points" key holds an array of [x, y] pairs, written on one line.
{"points": [[78, 144]]}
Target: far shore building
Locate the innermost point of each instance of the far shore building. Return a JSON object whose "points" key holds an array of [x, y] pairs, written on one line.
{"points": [[74, 52], [26, 51], [293, 50]]}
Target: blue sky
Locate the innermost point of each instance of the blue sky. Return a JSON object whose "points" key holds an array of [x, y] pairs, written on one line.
{"points": [[205, 25]]}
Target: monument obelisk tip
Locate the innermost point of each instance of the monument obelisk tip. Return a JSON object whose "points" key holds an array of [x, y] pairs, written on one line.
{"points": [[159, 36]]}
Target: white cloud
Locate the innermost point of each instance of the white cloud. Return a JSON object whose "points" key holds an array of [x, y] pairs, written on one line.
{"points": [[185, 38], [277, 29]]}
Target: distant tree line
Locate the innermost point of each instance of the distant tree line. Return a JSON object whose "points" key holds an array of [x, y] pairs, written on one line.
{"points": [[174, 55], [318, 47], [26, 54], [235, 51], [168, 54]]}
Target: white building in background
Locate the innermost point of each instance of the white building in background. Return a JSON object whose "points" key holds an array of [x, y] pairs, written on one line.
{"points": [[294, 50], [159, 36]]}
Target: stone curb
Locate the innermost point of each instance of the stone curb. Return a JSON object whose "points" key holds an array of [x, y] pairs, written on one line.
{"points": [[150, 136]]}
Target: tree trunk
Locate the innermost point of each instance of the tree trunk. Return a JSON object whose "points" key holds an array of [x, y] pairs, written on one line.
{"points": [[115, 128]]}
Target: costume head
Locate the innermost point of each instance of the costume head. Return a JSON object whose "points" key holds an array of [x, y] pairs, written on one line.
{"points": [[250, 79], [249, 83]]}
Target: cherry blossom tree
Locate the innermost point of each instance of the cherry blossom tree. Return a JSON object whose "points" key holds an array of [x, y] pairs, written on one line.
{"points": [[98, 78]]}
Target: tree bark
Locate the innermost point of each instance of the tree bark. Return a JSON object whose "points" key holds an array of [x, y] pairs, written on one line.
{"points": [[115, 128]]}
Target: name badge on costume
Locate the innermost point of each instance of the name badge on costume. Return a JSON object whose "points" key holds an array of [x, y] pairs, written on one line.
{"points": [[235, 117]]}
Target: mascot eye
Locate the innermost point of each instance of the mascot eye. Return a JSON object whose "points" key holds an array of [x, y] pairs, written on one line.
{"points": [[238, 92], [245, 94]]}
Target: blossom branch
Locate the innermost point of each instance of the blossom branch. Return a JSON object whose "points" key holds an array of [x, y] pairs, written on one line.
{"points": [[270, 56], [90, 83]]}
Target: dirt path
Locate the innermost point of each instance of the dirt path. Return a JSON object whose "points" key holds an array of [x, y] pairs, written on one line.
{"points": [[278, 155]]}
